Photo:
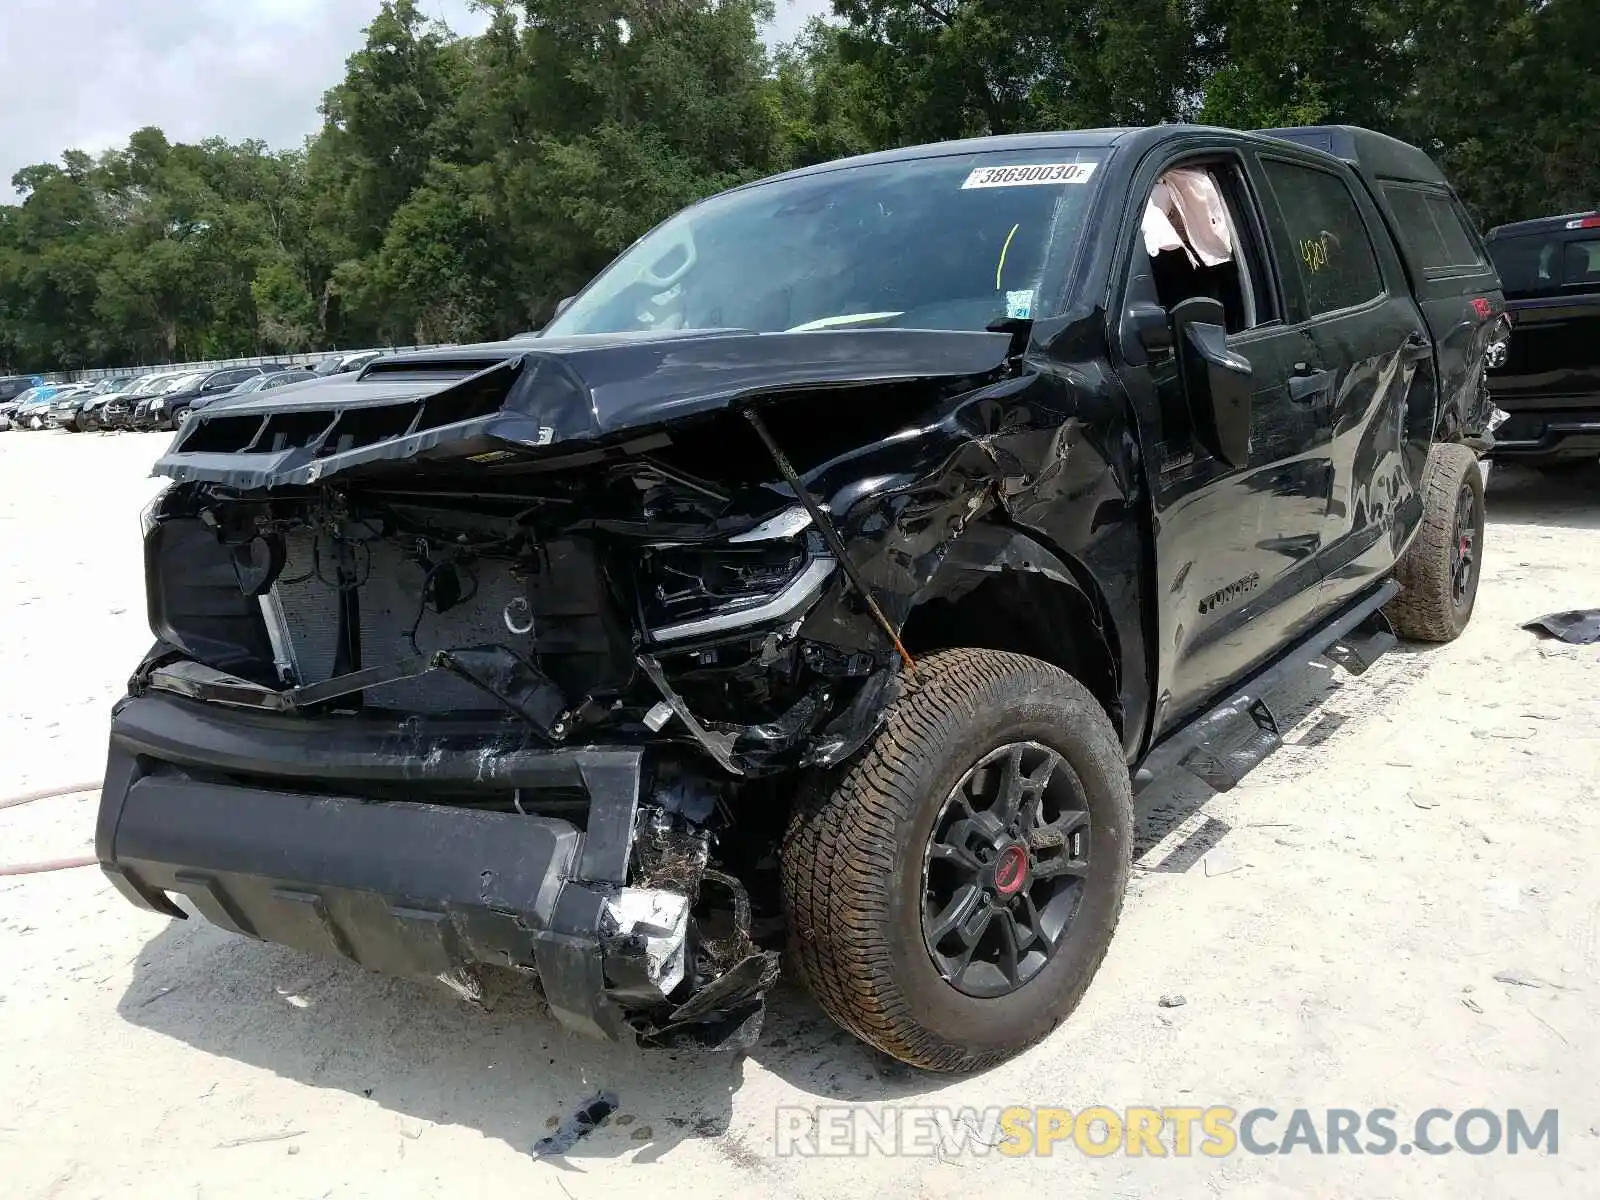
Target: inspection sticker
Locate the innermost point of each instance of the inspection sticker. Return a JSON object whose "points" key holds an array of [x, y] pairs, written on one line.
{"points": [[1029, 174], [1019, 305]]}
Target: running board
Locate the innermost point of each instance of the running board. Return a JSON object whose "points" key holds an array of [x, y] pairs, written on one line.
{"points": [[1364, 645], [1224, 743]]}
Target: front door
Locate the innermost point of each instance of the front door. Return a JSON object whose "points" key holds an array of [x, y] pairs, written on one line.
{"points": [[1236, 544]]}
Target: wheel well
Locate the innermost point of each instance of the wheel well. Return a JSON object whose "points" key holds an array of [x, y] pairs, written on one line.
{"points": [[1025, 612]]}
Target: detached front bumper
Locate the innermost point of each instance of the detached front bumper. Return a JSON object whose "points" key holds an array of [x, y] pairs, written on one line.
{"points": [[265, 824]]}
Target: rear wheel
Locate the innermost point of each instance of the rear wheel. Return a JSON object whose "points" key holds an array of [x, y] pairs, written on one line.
{"points": [[1438, 574], [952, 892]]}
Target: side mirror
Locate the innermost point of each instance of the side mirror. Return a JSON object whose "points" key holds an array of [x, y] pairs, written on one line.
{"points": [[563, 305], [1217, 382]]}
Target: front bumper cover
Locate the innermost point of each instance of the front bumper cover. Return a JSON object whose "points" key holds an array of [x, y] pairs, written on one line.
{"points": [[242, 814]]}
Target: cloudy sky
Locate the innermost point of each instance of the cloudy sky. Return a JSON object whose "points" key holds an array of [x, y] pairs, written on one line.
{"points": [[84, 74]]}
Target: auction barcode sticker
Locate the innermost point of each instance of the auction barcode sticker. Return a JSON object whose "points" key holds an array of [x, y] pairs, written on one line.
{"points": [[1029, 174]]}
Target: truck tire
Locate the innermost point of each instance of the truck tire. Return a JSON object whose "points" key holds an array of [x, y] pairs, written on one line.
{"points": [[952, 891], [1438, 574]]}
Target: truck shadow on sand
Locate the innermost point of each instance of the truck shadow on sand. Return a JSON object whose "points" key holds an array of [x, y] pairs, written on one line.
{"points": [[512, 1073], [1521, 496]]}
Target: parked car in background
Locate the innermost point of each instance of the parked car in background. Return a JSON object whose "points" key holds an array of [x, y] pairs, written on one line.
{"points": [[261, 383], [12, 386], [340, 364], [91, 411], [167, 409], [117, 413], [12, 389], [30, 408], [1549, 380], [62, 412], [147, 415]]}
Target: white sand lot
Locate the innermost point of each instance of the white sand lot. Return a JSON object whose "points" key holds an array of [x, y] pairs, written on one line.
{"points": [[1432, 825]]}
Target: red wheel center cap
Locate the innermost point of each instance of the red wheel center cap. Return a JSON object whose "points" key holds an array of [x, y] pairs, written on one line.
{"points": [[1010, 870]]}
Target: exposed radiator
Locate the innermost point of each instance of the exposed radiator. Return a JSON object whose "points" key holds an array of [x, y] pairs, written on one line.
{"points": [[388, 603]]}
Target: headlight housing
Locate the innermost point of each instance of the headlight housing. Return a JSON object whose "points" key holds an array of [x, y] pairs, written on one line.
{"points": [[151, 511], [766, 574]]}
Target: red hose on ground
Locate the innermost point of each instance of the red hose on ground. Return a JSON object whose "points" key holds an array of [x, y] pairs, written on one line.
{"points": [[58, 864], [46, 793], [39, 868]]}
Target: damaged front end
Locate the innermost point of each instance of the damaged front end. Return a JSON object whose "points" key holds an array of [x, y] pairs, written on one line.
{"points": [[462, 663]]}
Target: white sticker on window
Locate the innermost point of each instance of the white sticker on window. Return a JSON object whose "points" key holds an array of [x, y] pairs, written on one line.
{"points": [[1029, 174], [1019, 305]]}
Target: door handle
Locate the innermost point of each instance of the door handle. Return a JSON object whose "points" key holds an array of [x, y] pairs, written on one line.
{"points": [[1415, 348], [1307, 383]]}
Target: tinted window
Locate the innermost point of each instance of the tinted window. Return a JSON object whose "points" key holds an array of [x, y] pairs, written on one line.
{"points": [[1328, 238], [1528, 266], [1581, 263], [1432, 228]]}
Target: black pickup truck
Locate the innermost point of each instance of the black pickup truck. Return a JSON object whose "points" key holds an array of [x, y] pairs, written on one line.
{"points": [[830, 572], [1548, 381]]}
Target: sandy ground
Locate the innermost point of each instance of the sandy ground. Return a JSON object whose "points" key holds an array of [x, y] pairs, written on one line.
{"points": [[1336, 926]]}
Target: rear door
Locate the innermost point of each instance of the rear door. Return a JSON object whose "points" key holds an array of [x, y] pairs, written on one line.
{"points": [[1371, 361], [1455, 284]]}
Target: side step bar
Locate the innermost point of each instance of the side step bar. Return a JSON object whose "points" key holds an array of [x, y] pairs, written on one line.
{"points": [[1224, 743]]}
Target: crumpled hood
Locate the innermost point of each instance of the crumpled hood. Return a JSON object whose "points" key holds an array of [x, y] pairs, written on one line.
{"points": [[485, 403]]}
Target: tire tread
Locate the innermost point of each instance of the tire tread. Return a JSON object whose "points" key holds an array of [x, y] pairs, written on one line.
{"points": [[1424, 610], [841, 846]]}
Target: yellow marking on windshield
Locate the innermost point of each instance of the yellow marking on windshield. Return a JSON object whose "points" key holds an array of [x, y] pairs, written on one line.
{"points": [[1001, 266]]}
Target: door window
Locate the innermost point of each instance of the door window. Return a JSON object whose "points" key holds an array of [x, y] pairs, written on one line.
{"points": [[1432, 228], [1331, 247], [1198, 244], [1581, 266]]}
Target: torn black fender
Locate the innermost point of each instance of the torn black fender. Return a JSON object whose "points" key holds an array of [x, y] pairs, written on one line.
{"points": [[1032, 475]]}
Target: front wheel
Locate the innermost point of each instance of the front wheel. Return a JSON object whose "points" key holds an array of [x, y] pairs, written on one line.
{"points": [[1439, 572], [952, 892]]}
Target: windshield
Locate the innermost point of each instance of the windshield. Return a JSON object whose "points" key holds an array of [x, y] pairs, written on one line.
{"points": [[179, 383], [954, 242]]}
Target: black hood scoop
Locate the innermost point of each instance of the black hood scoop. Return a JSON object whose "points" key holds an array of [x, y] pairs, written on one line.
{"points": [[495, 402]]}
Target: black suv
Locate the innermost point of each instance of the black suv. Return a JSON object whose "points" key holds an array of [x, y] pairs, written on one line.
{"points": [[1549, 380], [167, 410], [852, 595]]}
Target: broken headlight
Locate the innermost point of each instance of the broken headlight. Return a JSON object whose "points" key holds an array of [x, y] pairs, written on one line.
{"points": [[151, 512], [769, 573]]}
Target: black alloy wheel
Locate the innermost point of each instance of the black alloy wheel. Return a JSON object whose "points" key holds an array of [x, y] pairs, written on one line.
{"points": [[1004, 869]]}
